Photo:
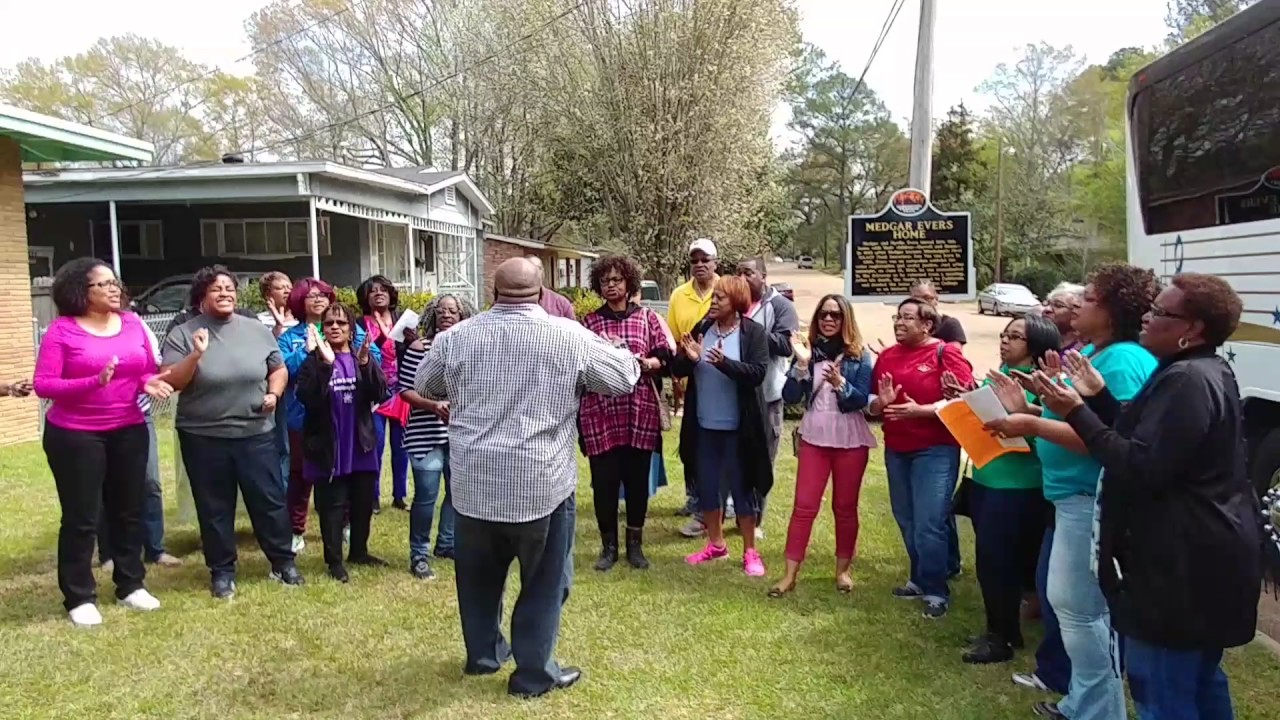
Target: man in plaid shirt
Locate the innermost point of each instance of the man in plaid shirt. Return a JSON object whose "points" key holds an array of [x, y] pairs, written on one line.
{"points": [[513, 377]]}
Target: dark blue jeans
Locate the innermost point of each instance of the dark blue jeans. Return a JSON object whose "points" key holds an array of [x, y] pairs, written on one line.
{"points": [[1008, 525], [921, 484], [544, 550], [399, 457], [1053, 667], [720, 473], [1177, 684]]}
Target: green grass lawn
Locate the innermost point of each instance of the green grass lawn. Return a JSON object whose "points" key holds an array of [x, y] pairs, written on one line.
{"points": [[673, 642]]}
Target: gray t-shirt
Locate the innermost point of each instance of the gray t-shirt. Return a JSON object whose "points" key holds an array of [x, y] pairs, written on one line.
{"points": [[224, 398]]}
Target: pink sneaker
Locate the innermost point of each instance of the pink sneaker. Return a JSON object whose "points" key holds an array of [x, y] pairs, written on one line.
{"points": [[707, 554], [752, 565]]}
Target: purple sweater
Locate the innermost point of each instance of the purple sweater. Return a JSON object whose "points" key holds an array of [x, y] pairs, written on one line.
{"points": [[67, 371]]}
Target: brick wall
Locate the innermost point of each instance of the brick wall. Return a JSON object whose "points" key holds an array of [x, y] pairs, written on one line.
{"points": [[496, 252], [19, 419]]}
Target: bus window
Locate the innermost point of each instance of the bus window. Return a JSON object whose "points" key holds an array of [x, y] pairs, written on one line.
{"points": [[1205, 136]]}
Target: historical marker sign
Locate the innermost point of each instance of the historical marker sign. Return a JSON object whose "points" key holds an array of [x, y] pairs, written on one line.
{"points": [[909, 240]]}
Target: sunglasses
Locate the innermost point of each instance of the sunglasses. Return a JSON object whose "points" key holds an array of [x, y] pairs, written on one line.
{"points": [[830, 315], [335, 322]]}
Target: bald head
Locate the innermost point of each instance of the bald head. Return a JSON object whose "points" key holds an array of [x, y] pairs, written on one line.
{"points": [[517, 281]]}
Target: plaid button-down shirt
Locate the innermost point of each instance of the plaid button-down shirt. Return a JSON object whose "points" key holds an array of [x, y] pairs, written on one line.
{"points": [[513, 377], [630, 420]]}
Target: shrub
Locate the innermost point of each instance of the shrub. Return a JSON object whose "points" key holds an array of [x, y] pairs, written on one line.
{"points": [[584, 302], [251, 298]]}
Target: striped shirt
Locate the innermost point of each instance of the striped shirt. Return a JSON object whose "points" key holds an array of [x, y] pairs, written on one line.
{"points": [[513, 376], [144, 400], [424, 431]]}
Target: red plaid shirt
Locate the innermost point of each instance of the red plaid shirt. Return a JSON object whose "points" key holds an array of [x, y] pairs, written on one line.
{"points": [[626, 420]]}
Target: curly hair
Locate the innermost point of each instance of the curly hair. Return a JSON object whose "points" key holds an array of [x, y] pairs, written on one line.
{"points": [[1209, 299], [70, 289], [366, 287], [298, 295], [204, 278], [624, 265], [268, 281], [1125, 292], [429, 315]]}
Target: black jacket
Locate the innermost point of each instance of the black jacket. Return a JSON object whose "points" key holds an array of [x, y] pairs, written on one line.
{"points": [[748, 374], [1179, 544], [313, 391]]}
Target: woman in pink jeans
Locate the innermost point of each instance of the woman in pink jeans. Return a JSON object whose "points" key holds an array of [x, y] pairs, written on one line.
{"points": [[834, 439]]}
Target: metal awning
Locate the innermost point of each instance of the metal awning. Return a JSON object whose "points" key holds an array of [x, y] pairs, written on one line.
{"points": [[46, 139]]}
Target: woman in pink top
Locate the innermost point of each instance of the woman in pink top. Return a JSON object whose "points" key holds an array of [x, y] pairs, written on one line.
{"points": [[93, 362], [834, 437]]}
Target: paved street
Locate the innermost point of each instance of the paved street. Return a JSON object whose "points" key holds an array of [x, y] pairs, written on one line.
{"points": [[876, 319]]}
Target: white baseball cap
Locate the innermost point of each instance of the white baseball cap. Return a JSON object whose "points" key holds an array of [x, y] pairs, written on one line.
{"points": [[704, 245]]}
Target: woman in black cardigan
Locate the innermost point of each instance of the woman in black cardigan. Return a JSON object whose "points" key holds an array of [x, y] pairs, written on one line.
{"points": [[723, 436], [1179, 547], [339, 442]]}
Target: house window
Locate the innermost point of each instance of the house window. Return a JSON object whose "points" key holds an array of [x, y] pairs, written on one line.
{"points": [[425, 251], [265, 239], [390, 256], [139, 239], [450, 196]]}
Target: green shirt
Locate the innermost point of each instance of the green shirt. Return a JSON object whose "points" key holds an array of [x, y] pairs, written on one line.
{"points": [[1016, 470]]}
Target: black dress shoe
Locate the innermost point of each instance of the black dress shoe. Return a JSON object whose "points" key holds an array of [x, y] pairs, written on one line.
{"points": [[367, 559], [569, 676], [339, 573]]}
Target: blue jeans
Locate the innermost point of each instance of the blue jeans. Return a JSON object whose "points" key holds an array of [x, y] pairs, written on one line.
{"points": [[921, 484], [544, 549], [152, 508], [399, 457], [1053, 667], [1177, 684], [282, 441], [428, 468], [1096, 691]]}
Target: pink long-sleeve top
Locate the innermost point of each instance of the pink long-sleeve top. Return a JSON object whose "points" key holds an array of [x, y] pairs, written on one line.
{"points": [[68, 366]]}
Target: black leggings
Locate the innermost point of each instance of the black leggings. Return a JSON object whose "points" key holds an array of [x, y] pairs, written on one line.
{"points": [[1007, 526], [620, 467], [334, 498]]}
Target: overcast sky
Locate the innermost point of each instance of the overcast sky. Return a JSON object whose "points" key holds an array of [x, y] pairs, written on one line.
{"points": [[973, 36]]}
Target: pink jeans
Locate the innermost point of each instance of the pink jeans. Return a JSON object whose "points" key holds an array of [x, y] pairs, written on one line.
{"points": [[815, 465]]}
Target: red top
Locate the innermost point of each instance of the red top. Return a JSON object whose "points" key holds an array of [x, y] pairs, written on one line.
{"points": [[919, 373]]}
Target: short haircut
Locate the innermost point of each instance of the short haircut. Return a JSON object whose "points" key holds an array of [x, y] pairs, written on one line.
{"points": [[923, 284], [1126, 293], [269, 279], [70, 289], [1042, 335], [759, 264], [206, 277], [926, 312], [366, 287], [303, 288], [1209, 299], [1065, 289], [738, 292], [624, 265]]}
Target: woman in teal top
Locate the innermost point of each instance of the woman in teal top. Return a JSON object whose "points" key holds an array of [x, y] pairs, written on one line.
{"points": [[1006, 503], [1110, 316]]}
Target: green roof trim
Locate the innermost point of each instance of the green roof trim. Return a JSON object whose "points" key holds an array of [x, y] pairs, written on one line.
{"points": [[46, 139]]}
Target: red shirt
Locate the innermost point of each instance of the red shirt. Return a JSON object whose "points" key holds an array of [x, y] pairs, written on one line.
{"points": [[918, 371]]}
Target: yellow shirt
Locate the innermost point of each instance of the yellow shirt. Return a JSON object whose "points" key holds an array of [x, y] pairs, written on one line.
{"points": [[686, 309]]}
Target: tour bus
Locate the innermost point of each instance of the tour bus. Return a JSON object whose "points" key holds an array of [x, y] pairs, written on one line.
{"points": [[1204, 196]]}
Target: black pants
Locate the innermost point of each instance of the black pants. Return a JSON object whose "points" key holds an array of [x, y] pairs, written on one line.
{"points": [[619, 467], [485, 549], [1008, 526], [333, 499], [98, 472], [217, 467]]}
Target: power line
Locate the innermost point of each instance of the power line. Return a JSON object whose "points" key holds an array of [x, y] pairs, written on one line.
{"points": [[211, 72], [889, 20]]}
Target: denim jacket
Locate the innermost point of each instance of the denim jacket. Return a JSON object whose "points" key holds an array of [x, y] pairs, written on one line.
{"points": [[855, 395], [293, 346]]}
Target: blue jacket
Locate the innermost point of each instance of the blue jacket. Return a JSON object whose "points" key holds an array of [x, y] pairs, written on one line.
{"points": [[856, 394], [293, 346]]}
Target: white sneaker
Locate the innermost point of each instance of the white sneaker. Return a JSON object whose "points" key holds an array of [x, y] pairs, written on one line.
{"points": [[140, 599], [85, 615], [759, 533], [346, 535], [1030, 680], [299, 544]]}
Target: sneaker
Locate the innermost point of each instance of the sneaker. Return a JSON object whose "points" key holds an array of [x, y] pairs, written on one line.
{"points": [[288, 575], [752, 565], [934, 610], [85, 615], [377, 507], [339, 573], [759, 533], [223, 588], [367, 559], [987, 651], [346, 535], [140, 599], [693, 529], [167, 560], [421, 569], [1049, 710], [299, 544], [1030, 681], [730, 513], [108, 566], [908, 592], [445, 553], [690, 507], [707, 554]]}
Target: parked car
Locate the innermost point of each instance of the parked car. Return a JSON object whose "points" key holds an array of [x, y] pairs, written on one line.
{"points": [[784, 289], [805, 262], [649, 291], [171, 294], [1007, 299]]}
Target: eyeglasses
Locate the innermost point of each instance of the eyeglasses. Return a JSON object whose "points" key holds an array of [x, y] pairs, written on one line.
{"points": [[905, 318], [335, 322], [316, 296], [105, 284], [1157, 311], [830, 315], [612, 281], [1013, 337]]}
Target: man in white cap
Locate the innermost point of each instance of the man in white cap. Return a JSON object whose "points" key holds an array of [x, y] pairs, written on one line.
{"points": [[689, 304]]}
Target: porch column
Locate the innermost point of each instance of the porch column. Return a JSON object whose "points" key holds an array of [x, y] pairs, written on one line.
{"points": [[413, 267], [115, 239], [314, 236]]}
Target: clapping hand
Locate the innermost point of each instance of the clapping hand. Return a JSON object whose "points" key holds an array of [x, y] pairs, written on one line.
{"points": [[109, 371], [22, 388], [880, 347], [1084, 376], [313, 338], [1011, 395], [715, 355], [887, 392], [200, 340], [157, 387], [319, 345], [692, 348], [362, 355], [1056, 394], [1019, 425], [833, 375], [952, 388], [800, 347]]}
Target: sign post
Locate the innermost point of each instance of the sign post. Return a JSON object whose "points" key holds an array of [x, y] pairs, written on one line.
{"points": [[909, 240]]}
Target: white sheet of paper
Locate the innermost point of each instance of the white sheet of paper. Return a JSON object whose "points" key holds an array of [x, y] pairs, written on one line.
{"points": [[984, 403], [409, 319]]}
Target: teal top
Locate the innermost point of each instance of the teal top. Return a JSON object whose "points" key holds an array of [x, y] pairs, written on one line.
{"points": [[1125, 367], [1015, 470]]}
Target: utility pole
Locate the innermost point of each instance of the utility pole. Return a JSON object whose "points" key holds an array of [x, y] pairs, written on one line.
{"points": [[922, 112], [999, 204]]}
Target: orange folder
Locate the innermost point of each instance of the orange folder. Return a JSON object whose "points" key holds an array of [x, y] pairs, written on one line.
{"points": [[969, 430]]}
